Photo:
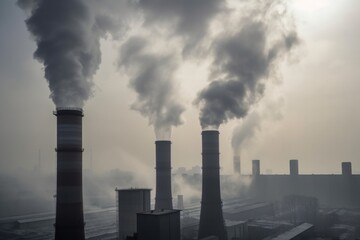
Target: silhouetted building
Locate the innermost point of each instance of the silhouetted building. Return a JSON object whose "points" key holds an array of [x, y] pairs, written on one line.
{"points": [[129, 203], [294, 167], [159, 225], [237, 166], [255, 167], [211, 215], [346, 168], [69, 223], [163, 198]]}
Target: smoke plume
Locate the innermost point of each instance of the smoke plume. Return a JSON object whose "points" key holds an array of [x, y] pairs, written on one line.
{"points": [[243, 60], [68, 44], [187, 18], [151, 76]]}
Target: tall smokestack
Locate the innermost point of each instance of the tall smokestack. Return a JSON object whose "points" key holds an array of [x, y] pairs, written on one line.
{"points": [[237, 166], [255, 167], [346, 168], [69, 223], [211, 216], [163, 199], [294, 167]]}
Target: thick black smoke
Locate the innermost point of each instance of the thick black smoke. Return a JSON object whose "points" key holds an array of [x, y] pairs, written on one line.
{"points": [[151, 76], [244, 58], [68, 44]]}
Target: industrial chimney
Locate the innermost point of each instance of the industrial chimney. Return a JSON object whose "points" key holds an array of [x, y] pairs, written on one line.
{"points": [[255, 167], [346, 168], [69, 223], [237, 168], [211, 216], [294, 167], [163, 198]]}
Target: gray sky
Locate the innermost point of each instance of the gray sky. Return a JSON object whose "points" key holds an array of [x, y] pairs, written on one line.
{"points": [[316, 101]]}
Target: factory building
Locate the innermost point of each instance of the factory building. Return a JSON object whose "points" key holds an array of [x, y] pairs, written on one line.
{"points": [[129, 203], [159, 225]]}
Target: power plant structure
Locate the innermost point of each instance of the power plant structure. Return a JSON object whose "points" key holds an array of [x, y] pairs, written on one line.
{"points": [[69, 222], [163, 198], [211, 215], [346, 168], [130, 202], [294, 167], [159, 225], [256, 167], [237, 166]]}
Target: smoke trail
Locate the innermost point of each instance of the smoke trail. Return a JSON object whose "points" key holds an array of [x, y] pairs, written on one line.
{"points": [[68, 44], [245, 131], [151, 77], [243, 61]]}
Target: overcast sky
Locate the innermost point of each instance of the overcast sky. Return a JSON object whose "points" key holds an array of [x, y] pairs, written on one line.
{"points": [[310, 112]]}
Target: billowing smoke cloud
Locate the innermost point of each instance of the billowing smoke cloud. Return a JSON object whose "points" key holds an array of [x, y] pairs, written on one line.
{"points": [[68, 44], [151, 76], [243, 60], [271, 110]]}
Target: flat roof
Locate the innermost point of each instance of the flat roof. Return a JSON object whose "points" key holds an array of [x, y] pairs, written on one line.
{"points": [[294, 232], [160, 212], [132, 189]]}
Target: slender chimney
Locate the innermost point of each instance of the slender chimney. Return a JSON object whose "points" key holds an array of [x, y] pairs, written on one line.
{"points": [[294, 167], [163, 199], [346, 168], [255, 167], [211, 215], [69, 223], [180, 202], [237, 168]]}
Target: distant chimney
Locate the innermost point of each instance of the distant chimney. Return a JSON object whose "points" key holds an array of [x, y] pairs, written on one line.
{"points": [[237, 168], [180, 202], [163, 198], [294, 167], [69, 223], [346, 168], [255, 167], [211, 215]]}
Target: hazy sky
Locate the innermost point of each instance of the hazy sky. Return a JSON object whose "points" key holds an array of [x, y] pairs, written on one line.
{"points": [[309, 113]]}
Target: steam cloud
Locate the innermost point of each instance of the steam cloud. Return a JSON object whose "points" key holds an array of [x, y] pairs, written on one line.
{"points": [[151, 78], [243, 61], [68, 44]]}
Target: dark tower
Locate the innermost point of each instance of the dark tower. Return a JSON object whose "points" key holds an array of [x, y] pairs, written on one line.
{"points": [[237, 168], [163, 199], [346, 168], [294, 167], [211, 215], [69, 223], [255, 167]]}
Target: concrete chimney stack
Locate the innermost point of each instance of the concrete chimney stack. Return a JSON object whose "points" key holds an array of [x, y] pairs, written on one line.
{"points": [[180, 202], [294, 167], [237, 166], [255, 167], [211, 215], [69, 222], [163, 198], [346, 168]]}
